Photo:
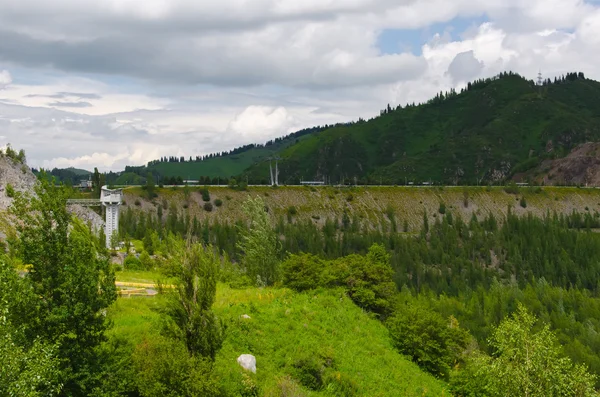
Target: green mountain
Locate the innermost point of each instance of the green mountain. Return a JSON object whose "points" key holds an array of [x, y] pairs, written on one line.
{"points": [[215, 166], [500, 128], [69, 175], [489, 131]]}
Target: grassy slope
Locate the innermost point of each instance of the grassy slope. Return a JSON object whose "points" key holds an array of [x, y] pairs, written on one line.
{"points": [[286, 326], [496, 127], [371, 204]]}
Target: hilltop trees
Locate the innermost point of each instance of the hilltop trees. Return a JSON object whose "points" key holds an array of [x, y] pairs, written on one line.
{"points": [[72, 279]]}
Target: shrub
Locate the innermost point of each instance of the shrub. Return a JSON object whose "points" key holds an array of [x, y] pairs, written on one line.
{"points": [[349, 197], [205, 194], [208, 207], [431, 341], [368, 280], [523, 202], [10, 191], [218, 202], [291, 211], [442, 208], [309, 372], [132, 263], [146, 261], [162, 364], [137, 202], [511, 188], [302, 272]]}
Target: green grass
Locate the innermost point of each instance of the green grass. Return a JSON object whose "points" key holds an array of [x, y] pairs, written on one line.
{"points": [[133, 318], [285, 328], [140, 276]]}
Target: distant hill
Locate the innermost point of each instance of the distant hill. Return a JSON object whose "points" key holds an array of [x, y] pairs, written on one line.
{"points": [[221, 166], [490, 131], [71, 175], [494, 130]]}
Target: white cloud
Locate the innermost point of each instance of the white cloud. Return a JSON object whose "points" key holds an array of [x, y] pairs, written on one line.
{"points": [[142, 79], [5, 79], [465, 67], [260, 123]]}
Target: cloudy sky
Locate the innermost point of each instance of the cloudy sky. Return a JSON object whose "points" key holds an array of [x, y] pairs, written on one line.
{"points": [[113, 82]]}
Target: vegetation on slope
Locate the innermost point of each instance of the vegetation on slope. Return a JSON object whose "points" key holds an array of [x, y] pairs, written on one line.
{"points": [[317, 344], [491, 131], [376, 208], [494, 128]]}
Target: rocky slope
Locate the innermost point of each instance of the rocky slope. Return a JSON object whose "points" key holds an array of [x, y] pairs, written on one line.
{"points": [[16, 176], [372, 206], [581, 167]]}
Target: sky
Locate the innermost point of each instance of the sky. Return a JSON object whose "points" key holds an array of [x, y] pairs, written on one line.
{"points": [[109, 83]]}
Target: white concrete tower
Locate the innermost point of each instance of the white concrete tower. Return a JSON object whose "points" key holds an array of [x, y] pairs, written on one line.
{"points": [[111, 199]]}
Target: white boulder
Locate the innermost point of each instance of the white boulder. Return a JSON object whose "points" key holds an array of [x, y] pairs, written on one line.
{"points": [[248, 362], [245, 316]]}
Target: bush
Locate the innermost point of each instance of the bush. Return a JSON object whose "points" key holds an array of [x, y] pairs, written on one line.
{"points": [[208, 207], [10, 191], [309, 373], [349, 197], [302, 272], [163, 365], [431, 341], [511, 188], [205, 194], [132, 263], [442, 208], [146, 261], [218, 202], [292, 210], [137, 202], [523, 202]]}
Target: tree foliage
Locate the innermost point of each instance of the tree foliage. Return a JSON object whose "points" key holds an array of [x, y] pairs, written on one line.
{"points": [[190, 308], [28, 367], [528, 362], [434, 343], [72, 279], [259, 244]]}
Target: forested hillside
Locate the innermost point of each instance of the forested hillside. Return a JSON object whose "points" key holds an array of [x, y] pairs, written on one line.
{"points": [[482, 301], [475, 270], [489, 131]]}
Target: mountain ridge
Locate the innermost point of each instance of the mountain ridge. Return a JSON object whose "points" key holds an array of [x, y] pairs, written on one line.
{"points": [[493, 130]]}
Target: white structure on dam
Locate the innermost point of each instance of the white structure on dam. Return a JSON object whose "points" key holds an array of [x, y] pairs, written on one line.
{"points": [[111, 200]]}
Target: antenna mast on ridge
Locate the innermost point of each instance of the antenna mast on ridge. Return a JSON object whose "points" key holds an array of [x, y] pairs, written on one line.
{"points": [[539, 79]]}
